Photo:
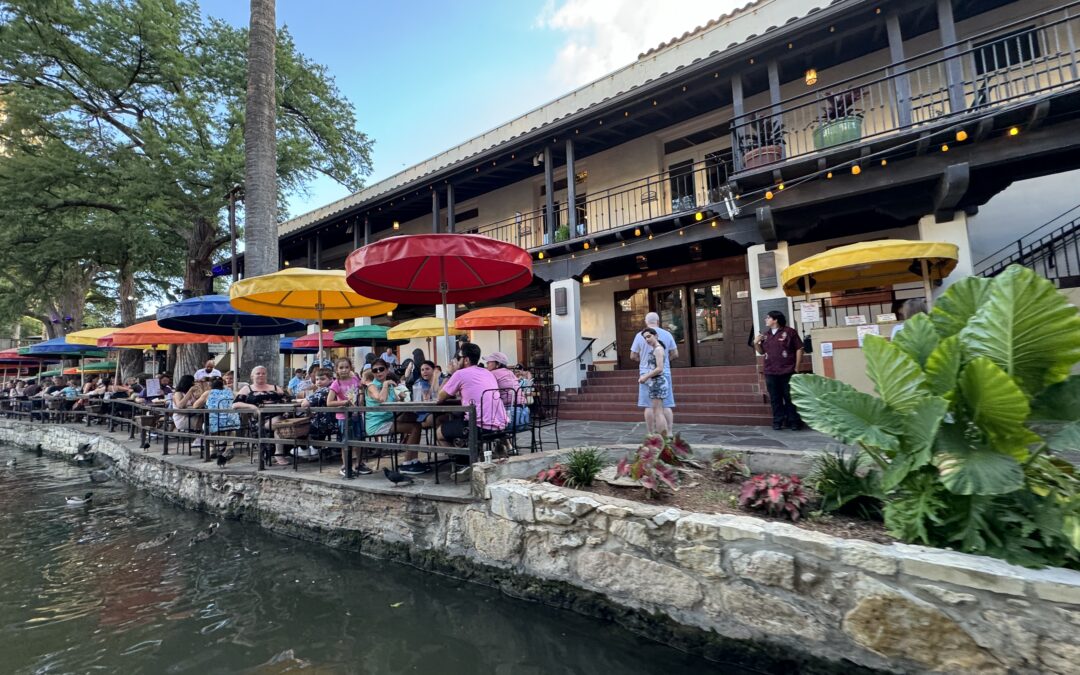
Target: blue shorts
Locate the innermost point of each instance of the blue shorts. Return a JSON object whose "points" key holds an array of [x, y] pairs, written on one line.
{"points": [[356, 428], [643, 395]]}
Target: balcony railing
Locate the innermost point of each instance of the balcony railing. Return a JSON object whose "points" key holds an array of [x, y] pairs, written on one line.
{"points": [[689, 187], [1053, 253], [1010, 63]]}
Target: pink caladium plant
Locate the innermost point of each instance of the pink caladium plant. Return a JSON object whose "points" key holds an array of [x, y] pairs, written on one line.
{"points": [[774, 494], [556, 475], [647, 466]]}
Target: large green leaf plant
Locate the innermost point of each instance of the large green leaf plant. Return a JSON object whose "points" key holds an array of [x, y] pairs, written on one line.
{"points": [[973, 402]]}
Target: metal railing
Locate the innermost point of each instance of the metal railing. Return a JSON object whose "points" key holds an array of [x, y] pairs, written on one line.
{"points": [[688, 188], [1055, 254], [997, 67]]}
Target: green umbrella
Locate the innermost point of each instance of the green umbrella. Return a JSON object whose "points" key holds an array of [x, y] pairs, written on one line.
{"points": [[100, 367], [51, 373], [366, 336]]}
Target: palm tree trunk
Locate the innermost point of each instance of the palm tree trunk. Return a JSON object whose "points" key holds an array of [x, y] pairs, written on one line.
{"points": [[260, 172]]}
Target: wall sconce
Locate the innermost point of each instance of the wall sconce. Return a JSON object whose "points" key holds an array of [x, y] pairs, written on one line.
{"points": [[397, 225], [811, 77]]}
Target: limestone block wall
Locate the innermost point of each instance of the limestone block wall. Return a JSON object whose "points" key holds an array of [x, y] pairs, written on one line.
{"points": [[776, 586]]}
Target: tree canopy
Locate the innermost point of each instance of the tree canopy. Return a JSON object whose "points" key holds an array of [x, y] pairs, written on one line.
{"points": [[121, 136]]}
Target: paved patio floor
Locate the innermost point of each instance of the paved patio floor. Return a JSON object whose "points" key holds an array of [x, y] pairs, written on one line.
{"points": [[575, 433]]}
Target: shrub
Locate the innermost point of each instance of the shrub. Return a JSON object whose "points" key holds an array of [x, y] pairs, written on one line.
{"points": [[730, 466], [846, 484], [582, 465], [671, 450], [973, 400], [557, 474], [774, 494]]}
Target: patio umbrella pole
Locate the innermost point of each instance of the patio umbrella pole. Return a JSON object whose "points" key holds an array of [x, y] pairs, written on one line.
{"points": [[445, 320], [235, 355], [926, 284], [319, 308]]}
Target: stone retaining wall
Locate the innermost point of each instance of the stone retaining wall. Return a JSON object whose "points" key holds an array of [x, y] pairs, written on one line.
{"points": [[776, 587]]}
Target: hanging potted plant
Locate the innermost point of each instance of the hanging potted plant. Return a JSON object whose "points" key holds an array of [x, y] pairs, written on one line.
{"points": [[841, 119], [762, 142]]}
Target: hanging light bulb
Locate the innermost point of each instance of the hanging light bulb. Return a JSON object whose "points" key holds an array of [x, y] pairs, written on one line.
{"points": [[637, 231], [856, 170], [944, 147], [961, 136], [1014, 131], [586, 279], [397, 225], [884, 162], [768, 194], [540, 255], [811, 77]]}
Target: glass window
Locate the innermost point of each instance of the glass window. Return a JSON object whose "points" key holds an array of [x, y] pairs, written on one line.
{"points": [[671, 306], [708, 317]]}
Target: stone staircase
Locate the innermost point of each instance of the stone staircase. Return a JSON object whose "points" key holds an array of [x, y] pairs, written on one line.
{"points": [[704, 395]]}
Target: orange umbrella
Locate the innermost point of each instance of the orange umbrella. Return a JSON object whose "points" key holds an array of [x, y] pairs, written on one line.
{"points": [[150, 333], [498, 319]]}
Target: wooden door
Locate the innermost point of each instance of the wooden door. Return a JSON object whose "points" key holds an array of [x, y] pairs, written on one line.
{"points": [[630, 310], [739, 319], [709, 323]]}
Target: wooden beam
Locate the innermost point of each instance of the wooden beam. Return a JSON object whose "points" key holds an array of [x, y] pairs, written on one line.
{"points": [[901, 82], [954, 70]]}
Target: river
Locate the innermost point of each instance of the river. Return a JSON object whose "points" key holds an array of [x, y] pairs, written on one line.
{"points": [[85, 590]]}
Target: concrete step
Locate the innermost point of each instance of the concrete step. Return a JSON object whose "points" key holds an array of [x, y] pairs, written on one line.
{"points": [[635, 415], [754, 408], [681, 378], [685, 389], [704, 370], [590, 396]]}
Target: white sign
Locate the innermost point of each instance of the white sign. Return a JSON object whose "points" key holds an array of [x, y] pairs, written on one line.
{"points": [[826, 350], [811, 312], [886, 318], [855, 320], [742, 294], [153, 388], [863, 331]]}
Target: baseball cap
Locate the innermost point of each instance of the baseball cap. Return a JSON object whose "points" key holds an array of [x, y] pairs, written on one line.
{"points": [[497, 357]]}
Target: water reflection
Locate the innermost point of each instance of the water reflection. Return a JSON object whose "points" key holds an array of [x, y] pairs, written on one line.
{"points": [[80, 595]]}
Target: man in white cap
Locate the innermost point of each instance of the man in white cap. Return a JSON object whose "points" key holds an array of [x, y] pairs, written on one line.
{"points": [[638, 351]]}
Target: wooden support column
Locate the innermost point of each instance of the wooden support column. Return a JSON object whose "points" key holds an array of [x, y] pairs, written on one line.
{"points": [[357, 234], [901, 82], [954, 70], [435, 211], [774, 95], [451, 217], [311, 253], [738, 112], [367, 231], [571, 189], [318, 251], [549, 196]]}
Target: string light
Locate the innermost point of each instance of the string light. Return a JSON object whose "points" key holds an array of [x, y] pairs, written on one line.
{"points": [[961, 136], [637, 231], [856, 169], [541, 255], [714, 222], [699, 216], [768, 194], [829, 175], [1014, 131], [944, 147], [286, 263], [650, 237], [586, 246], [681, 233], [884, 162], [780, 186], [586, 279], [397, 225]]}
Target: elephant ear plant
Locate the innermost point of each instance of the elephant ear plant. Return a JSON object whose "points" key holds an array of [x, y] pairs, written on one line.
{"points": [[973, 401]]}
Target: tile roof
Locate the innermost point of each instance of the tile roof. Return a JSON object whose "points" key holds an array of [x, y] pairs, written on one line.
{"points": [[724, 33]]}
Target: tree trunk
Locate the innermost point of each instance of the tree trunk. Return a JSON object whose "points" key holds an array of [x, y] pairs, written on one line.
{"points": [[260, 172], [131, 360], [200, 251]]}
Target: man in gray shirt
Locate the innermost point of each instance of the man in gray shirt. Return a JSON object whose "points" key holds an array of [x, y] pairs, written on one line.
{"points": [[637, 353]]}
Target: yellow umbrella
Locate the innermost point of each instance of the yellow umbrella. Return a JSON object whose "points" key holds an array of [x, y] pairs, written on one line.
{"points": [[425, 327], [302, 293], [871, 264], [91, 336]]}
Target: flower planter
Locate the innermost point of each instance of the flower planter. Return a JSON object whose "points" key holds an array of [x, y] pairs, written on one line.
{"points": [[838, 132], [766, 154]]}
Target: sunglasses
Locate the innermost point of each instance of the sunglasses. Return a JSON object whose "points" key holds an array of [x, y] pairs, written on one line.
{"points": [[378, 370]]}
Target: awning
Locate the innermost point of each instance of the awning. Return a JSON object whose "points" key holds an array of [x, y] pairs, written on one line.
{"points": [[871, 264]]}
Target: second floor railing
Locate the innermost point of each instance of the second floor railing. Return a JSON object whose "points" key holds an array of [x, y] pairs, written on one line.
{"points": [[1053, 253], [1007, 64], [686, 187]]}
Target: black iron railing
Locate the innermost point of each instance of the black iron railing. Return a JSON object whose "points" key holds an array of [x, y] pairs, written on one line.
{"points": [[1053, 252], [1001, 66], [690, 187]]}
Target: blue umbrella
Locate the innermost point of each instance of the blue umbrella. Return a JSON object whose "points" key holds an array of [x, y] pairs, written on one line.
{"points": [[285, 346], [60, 347], [213, 315]]}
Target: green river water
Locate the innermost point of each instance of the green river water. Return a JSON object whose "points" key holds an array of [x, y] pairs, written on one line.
{"points": [[79, 596]]}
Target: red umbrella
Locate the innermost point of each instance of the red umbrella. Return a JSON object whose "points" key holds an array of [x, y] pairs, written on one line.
{"points": [[427, 269], [312, 340], [498, 319]]}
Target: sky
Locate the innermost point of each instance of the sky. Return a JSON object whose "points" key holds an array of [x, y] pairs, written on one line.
{"points": [[425, 76]]}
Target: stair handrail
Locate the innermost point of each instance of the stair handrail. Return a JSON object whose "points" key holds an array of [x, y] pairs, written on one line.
{"points": [[1017, 247]]}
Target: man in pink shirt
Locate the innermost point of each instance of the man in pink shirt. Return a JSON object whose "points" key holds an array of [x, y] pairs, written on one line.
{"points": [[470, 380]]}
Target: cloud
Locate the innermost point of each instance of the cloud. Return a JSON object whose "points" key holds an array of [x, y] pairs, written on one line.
{"points": [[600, 36]]}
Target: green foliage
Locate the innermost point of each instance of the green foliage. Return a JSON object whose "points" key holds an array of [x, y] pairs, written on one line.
{"points": [[971, 404], [730, 466], [775, 495], [846, 483], [582, 465]]}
